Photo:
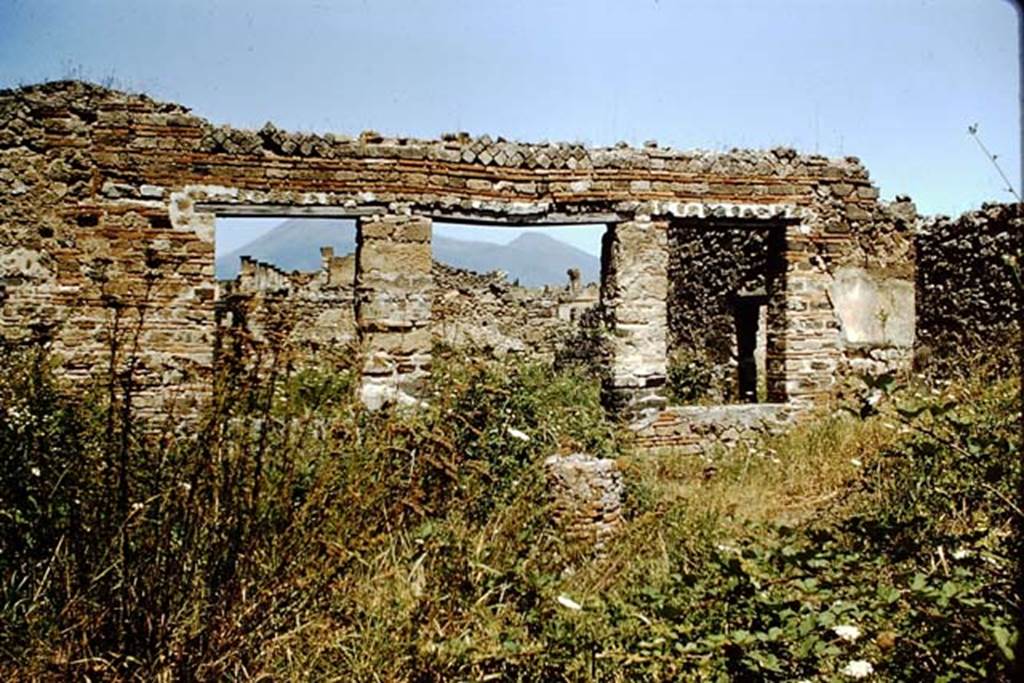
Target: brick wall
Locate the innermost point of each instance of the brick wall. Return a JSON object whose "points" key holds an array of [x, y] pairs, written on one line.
{"points": [[108, 201]]}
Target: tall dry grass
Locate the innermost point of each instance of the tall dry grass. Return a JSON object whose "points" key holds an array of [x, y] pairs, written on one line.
{"points": [[291, 535]]}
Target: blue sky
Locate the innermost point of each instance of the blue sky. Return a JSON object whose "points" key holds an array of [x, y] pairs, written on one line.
{"points": [[895, 82]]}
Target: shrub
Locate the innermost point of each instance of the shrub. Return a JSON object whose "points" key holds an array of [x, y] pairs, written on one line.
{"points": [[132, 548], [691, 377]]}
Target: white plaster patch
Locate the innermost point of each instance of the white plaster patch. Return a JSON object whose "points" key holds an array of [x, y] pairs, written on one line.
{"points": [[873, 311], [732, 210]]}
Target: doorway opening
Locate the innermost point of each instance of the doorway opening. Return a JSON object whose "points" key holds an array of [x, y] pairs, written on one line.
{"points": [[751, 314], [727, 311]]}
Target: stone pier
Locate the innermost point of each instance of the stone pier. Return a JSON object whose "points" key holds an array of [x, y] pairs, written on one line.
{"points": [[634, 294], [394, 283], [587, 495]]}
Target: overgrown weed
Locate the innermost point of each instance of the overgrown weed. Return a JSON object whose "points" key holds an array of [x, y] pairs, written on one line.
{"points": [[294, 536]]}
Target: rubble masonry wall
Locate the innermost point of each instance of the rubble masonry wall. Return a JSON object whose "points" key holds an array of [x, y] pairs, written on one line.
{"points": [[108, 202], [969, 281]]}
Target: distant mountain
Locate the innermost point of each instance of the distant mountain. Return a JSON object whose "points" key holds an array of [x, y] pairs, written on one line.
{"points": [[532, 258]]}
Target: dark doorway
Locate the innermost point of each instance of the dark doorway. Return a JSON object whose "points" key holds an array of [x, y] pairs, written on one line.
{"points": [[750, 310], [727, 311]]}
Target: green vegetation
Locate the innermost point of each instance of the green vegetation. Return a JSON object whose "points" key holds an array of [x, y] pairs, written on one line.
{"points": [[690, 377], [288, 534]]}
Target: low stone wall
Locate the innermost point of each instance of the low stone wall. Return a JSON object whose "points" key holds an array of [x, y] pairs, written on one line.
{"points": [[587, 495], [969, 281], [694, 430]]}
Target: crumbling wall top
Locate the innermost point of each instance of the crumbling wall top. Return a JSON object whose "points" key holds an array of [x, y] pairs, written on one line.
{"points": [[112, 107]]}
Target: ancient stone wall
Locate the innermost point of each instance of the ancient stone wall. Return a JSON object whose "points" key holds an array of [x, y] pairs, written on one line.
{"points": [[969, 281], [264, 310], [484, 312], [108, 202]]}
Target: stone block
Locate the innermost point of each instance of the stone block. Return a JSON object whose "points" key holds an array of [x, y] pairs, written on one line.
{"points": [[412, 340], [414, 231], [855, 212], [394, 257]]}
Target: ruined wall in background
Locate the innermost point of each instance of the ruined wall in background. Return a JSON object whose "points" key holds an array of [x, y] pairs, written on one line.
{"points": [[265, 311], [969, 281], [484, 312]]}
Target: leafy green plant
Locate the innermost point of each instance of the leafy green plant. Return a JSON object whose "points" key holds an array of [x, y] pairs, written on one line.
{"points": [[691, 377]]}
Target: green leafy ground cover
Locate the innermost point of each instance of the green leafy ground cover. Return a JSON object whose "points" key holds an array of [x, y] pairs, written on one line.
{"points": [[292, 536]]}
